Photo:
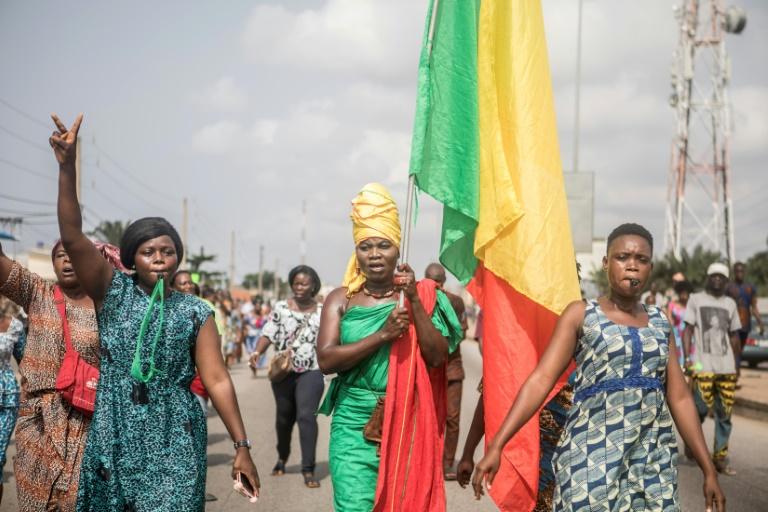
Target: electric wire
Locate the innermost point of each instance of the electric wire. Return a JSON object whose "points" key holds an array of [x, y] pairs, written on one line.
{"points": [[27, 170], [35, 145], [29, 201], [25, 115]]}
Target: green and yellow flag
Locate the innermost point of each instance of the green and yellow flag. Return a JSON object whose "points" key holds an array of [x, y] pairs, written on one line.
{"points": [[485, 146]]}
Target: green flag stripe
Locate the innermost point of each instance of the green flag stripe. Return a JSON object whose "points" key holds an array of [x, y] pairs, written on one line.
{"points": [[445, 146]]}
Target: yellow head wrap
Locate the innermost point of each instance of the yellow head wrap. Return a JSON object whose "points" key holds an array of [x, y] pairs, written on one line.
{"points": [[374, 214]]}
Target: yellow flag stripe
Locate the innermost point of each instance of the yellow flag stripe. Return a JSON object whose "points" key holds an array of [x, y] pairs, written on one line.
{"points": [[523, 235]]}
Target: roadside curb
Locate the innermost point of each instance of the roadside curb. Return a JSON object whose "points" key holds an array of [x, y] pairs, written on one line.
{"points": [[751, 409]]}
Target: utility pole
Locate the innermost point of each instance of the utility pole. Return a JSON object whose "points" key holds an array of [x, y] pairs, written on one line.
{"points": [[276, 280], [232, 260], [184, 229], [261, 270], [578, 95], [303, 246], [78, 173]]}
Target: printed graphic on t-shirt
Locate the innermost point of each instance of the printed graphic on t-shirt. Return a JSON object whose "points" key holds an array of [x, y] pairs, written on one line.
{"points": [[714, 339]]}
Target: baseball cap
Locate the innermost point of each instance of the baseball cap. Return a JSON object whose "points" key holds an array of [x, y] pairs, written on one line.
{"points": [[718, 268]]}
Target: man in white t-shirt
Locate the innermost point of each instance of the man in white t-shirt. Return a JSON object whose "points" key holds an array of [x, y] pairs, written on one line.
{"points": [[711, 347]]}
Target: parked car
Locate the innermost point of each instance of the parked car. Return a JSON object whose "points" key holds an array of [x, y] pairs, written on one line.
{"points": [[756, 348]]}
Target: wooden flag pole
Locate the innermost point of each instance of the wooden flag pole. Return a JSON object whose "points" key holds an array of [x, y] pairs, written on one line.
{"points": [[406, 245]]}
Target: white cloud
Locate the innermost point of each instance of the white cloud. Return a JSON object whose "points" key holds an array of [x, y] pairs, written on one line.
{"points": [[217, 138], [750, 115], [383, 153], [358, 36], [224, 95]]}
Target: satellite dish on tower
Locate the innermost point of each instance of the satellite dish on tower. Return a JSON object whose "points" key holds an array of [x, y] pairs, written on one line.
{"points": [[734, 20]]}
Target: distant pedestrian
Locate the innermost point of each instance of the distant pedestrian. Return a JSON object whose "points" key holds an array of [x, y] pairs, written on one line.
{"points": [[292, 329], [12, 338], [745, 295], [676, 314], [711, 345], [454, 374]]}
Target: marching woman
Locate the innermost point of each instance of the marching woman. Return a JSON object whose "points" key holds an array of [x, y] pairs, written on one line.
{"points": [[292, 328], [391, 366], [50, 433], [618, 450], [147, 446]]}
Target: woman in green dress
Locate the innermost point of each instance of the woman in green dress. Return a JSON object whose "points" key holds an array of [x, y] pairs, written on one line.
{"points": [[360, 322], [146, 447]]}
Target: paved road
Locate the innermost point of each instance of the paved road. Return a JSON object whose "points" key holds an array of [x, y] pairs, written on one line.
{"points": [[746, 492]]}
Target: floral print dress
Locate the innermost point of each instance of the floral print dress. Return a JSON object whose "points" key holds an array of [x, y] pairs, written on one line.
{"points": [[288, 329]]}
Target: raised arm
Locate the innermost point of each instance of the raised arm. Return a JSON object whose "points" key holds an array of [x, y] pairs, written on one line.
{"points": [[332, 356], [534, 392], [93, 272], [687, 421], [5, 266]]}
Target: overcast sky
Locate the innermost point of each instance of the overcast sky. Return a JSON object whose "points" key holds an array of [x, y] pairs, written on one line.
{"points": [[247, 108]]}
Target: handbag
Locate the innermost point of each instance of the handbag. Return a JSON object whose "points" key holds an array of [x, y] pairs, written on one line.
{"points": [[373, 430], [280, 366], [281, 363], [77, 380]]}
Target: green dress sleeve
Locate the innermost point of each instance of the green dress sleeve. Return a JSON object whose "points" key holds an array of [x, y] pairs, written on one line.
{"points": [[445, 320]]}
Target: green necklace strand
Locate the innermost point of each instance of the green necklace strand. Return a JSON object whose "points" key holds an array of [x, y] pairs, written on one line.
{"points": [[136, 371]]}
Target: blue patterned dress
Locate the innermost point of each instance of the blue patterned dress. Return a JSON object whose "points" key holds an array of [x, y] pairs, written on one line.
{"points": [[145, 456], [618, 451], [11, 344]]}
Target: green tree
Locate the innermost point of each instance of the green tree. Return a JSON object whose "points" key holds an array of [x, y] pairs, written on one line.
{"points": [[692, 264], [207, 277], [110, 231], [251, 280], [196, 261], [757, 270]]}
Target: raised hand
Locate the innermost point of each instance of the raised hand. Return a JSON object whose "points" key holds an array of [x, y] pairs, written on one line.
{"points": [[64, 141]]}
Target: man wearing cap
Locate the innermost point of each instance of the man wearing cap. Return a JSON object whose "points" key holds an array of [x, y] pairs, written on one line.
{"points": [[711, 346]]}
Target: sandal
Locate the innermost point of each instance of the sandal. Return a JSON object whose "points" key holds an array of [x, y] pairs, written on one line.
{"points": [[310, 480], [279, 469], [724, 468]]}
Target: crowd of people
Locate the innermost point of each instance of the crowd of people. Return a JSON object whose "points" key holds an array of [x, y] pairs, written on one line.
{"points": [[120, 356]]}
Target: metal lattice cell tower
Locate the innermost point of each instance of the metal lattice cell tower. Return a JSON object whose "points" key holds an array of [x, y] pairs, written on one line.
{"points": [[699, 207]]}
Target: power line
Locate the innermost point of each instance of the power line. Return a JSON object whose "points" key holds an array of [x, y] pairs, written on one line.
{"points": [[25, 115], [28, 170], [128, 174], [25, 140], [122, 185], [25, 200], [26, 214]]}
